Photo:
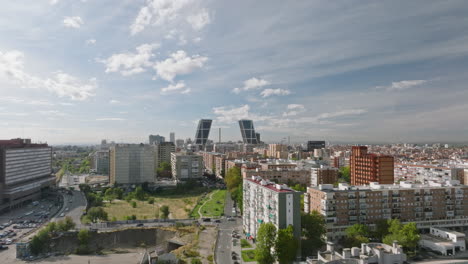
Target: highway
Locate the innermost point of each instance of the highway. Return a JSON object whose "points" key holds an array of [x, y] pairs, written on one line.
{"points": [[76, 205], [224, 246]]}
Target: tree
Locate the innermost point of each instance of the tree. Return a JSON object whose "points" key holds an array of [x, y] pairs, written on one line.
{"points": [[134, 204], [118, 192], [140, 194], [286, 245], [266, 236], [83, 240], [313, 229], [407, 235], [345, 174], [164, 211], [356, 235], [97, 213], [233, 178], [381, 229], [237, 196], [151, 200], [110, 195], [164, 170]]}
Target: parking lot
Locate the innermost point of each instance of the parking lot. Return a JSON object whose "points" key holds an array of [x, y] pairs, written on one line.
{"points": [[21, 221]]}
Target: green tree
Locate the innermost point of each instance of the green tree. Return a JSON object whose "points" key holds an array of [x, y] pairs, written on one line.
{"points": [[266, 237], [345, 174], [83, 237], [356, 235], [313, 231], [118, 192], [237, 196], [381, 229], [164, 170], [139, 193], [151, 200], [164, 211], [134, 204], [286, 245], [110, 195], [97, 213], [407, 235], [233, 178]]}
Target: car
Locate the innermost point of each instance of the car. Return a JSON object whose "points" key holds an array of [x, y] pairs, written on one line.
{"points": [[217, 221], [3, 247], [62, 215], [206, 219], [140, 224], [231, 219], [66, 209], [8, 241]]}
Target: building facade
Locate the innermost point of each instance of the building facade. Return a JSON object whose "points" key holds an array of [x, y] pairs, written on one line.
{"points": [[186, 166], [156, 139], [267, 202], [209, 161], [131, 164], [312, 145], [162, 153], [248, 132], [323, 175], [25, 170], [421, 173], [433, 204], [172, 137], [101, 160], [366, 168], [203, 131], [280, 176]]}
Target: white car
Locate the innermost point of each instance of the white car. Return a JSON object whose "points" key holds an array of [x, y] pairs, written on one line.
{"points": [[8, 241], [62, 215]]}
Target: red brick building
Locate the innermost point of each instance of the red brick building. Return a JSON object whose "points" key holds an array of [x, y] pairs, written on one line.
{"points": [[366, 168]]}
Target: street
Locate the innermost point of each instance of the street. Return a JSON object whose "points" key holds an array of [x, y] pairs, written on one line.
{"points": [[224, 246], [74, 206]]}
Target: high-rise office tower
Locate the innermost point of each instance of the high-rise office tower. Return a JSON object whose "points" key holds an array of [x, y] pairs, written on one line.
{"points": [[172, 137], [366, 168], [248, 132], [257, 135], [203, 131], [156, 139]]}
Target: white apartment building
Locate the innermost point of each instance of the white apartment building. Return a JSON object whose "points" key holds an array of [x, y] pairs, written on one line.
{"points": [[186, 166], [267, 202], [131, 164], [421, 173]]}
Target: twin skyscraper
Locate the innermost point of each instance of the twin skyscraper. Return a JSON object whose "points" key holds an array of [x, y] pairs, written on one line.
{"points": [[246, 127]]}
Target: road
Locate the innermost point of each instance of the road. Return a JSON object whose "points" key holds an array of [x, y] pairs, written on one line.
{"points": [[224, 245], [76, 204]]}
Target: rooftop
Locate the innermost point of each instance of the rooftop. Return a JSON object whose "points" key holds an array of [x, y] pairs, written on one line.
{"points": [[270, 185], [375, 186]]}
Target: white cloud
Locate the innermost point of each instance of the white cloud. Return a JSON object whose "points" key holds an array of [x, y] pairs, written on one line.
{"points": [[73, 22], [269, 92], [250, 84], [62, 84], [200, 20], [346, 112], [231, 115], [402, 85], [17, 100], [180, 87], [113, 101], [158, 12], [178, 64], [52, 113], [53, 2], [110, 119], [90, 42], [197, 40], [131, 63], [294, 109]]}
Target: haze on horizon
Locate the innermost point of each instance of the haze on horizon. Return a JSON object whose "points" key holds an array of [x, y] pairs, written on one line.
{"points": [[349, 71]]}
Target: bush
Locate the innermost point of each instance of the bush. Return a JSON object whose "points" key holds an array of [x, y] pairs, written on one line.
{"points": [[196, 261], [191, 253], [134, 204]]}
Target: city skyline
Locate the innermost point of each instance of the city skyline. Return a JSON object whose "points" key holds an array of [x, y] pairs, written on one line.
{"points": [[80, 71]]}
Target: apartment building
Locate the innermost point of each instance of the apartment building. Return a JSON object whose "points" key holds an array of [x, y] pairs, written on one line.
{"points": [[267, 202], [25, 170], [209, 160], [156, 139], [432, 204], [278, 151], [186, 166], [422, 173], [101, 162], [366, 168], [282, 176], [162, 153], [220, 163], [131, 164], [323, 175], [277, 164]]}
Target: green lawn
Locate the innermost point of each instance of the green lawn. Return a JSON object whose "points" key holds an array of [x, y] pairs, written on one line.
{"points": [[248, 255], [245, 243], [213, 207]]}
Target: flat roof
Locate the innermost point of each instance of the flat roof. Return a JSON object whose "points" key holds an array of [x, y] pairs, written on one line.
{"points": [[271, 186]]}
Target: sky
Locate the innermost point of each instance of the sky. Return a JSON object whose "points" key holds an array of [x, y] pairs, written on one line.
{"points": [[78, 71]]}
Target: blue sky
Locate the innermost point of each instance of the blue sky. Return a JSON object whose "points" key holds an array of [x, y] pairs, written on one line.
{"points": [[77, 71]]}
